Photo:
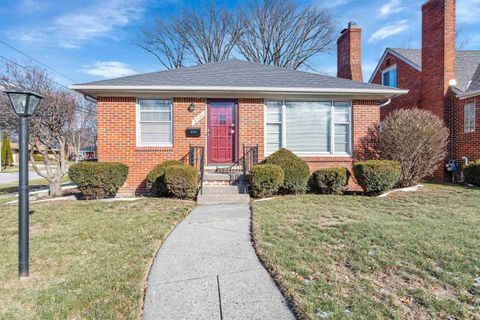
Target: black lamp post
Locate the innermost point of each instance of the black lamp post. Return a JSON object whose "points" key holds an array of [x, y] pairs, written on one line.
{"points": [[24, 103]]}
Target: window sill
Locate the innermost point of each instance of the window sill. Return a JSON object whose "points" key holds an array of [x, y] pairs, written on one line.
{"points": [[153, 148]]}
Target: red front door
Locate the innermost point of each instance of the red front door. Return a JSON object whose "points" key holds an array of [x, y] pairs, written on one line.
{"points": [[221, 131]]}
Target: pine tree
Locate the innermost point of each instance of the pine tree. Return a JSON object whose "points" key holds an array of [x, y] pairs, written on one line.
{"points": [[7, 155]]}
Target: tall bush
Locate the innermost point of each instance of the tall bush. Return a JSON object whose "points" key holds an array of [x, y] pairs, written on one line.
{"points": [[377, 176], [417, 139], [266, 180], [7, 155], [98, 179], [295, 169], [472, 173], [156, 179]]}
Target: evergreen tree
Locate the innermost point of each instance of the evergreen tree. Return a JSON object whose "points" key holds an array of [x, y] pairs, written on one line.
{"points": [[7, 155]]}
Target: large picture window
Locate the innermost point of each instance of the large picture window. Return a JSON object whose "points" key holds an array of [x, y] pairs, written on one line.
{"points": [[154, 123], [308, 128]]}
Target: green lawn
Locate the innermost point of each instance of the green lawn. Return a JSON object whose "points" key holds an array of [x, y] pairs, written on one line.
{"points": [[89, 260], [414, 256]]}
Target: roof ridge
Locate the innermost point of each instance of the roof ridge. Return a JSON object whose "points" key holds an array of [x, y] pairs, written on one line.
{"points": [[166, 71]]}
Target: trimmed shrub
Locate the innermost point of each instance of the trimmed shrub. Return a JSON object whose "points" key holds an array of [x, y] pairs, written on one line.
{"points": [[472, 173], [98, 179], [377, 176], [331, 180], [295, 169], [181, 181], [266, 180], [156, 178]]}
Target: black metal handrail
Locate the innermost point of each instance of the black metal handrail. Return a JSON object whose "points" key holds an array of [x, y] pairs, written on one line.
{"points": [[249, 159], [244, 164], [196, 158]]}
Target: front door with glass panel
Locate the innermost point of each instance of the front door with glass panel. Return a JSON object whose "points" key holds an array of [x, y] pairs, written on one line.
{"points": [[221, 132]]}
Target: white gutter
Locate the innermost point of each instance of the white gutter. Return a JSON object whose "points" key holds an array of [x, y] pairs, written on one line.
{"points": [[469, 95], [235, 89]]}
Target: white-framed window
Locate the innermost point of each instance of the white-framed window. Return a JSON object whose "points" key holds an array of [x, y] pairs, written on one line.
{"points": [[154, 123], [389, 76], [308, 128], [469, 117]]}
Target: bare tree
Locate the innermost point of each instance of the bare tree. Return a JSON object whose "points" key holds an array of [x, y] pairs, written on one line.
{"points": [[82, 130], [48, 126], [206, 35], [165, 44], [281, 33]]}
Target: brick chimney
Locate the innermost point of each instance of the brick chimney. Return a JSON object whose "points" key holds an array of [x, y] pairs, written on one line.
{"points": [[438, 54], [349, 53]]}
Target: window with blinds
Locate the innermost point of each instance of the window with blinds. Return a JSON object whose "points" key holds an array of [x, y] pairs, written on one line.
{"points": [[308, 127], [154, 123], [469, 117]]}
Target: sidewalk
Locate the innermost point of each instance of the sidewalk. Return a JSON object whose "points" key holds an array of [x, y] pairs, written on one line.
{"points": [[208, 269]]}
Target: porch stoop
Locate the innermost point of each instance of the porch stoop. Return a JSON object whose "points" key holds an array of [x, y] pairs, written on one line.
{"points": [[222, 188]]}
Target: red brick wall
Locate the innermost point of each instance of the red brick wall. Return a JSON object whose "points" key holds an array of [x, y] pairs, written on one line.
{"points": [[349, 54], [466, 144], [117, 135], [251, 123], [407, 78], [438, 53]]}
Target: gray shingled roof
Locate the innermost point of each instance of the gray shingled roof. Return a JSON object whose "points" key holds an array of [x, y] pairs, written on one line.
{"points": [[235, 73], [467, 64]]}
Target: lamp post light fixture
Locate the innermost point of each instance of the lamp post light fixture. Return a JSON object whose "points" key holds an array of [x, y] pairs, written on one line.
{"points": [[24, 103]]}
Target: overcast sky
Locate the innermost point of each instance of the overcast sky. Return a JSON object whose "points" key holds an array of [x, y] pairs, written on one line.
{"points": [[90, 40]]}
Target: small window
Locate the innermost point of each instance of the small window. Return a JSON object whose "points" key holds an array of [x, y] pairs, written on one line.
{"points": [[469, 116], [389, 77], [154, 123]]}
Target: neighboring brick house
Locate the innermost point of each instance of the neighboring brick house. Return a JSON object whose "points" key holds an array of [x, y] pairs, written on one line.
{"points": [[142, 119], [440, 78]]}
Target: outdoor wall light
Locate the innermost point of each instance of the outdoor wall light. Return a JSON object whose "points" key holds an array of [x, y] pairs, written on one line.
{"points": [[191, 107], [24, 104]]}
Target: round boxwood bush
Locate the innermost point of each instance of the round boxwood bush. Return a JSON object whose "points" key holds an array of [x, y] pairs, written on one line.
{"points": [[377, 176], [331, 180], [98, 179], [295, 169], [156, 179], [265, 180], [472, 173], [181, 181]]}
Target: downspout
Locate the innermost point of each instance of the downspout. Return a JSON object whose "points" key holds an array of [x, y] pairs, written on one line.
{"points": [[386, 103]]}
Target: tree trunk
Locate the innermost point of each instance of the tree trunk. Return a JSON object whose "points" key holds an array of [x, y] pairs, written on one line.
{"points": [[55, 188]]}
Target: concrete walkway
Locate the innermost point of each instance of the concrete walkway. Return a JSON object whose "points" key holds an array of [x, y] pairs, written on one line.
{"points": [[13, 177], [208, 269]]}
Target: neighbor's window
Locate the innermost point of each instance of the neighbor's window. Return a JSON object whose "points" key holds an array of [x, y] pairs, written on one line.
{"points": [[389, 77], [469, 115], [154, 122], [308, 128]]}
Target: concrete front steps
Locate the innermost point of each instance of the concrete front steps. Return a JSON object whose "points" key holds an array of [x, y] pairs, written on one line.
{"points": [[222, 188]]}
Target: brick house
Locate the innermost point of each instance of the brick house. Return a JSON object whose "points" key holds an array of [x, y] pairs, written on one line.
{"points": [[146, 119], [440, 78]]}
